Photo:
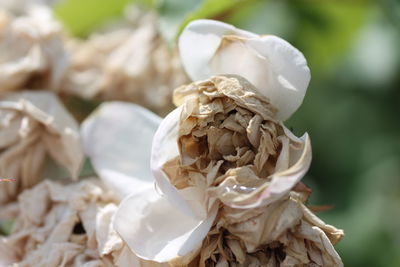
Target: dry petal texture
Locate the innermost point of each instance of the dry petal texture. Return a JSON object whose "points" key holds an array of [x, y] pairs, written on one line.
{"points": [[284, 233], [31, 51], [34, 125], [271, 64], [66, 225], [220, 147], [232, 148], [126, 64], [227, 171]]}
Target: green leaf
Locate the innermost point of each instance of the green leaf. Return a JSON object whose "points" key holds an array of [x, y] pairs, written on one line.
{"points": [[176, 14], [6, 227], [172, 13], [327, 30], [212, 9], [81, 17]]}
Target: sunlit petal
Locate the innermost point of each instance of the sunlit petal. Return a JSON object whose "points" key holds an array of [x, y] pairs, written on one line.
{"points": [[274, 66], [117, 138], [156, 230]]}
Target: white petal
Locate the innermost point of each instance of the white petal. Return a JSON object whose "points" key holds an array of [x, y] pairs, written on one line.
{"points": [[164, 149], [117, 138], [156, 230], [273, 65], [289, 72], [198, 43]]}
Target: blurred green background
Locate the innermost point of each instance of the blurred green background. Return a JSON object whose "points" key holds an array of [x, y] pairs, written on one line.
{"points": [[351, 110]]}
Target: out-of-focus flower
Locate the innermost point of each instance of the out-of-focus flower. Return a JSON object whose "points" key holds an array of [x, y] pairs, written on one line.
{"points": [[126, 64], [66, 225], [20, 7], [32, 126], [221, 159], [31, 51]]}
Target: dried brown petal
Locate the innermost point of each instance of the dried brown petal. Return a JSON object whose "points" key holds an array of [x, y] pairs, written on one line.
{"points": [[278, 235], [125, 64], [32, 53], [229, 141], [67, 225], [33, 125]]}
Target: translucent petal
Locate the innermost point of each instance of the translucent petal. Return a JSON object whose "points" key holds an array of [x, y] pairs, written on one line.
{"points": [[117, 138], [198, 43], [273, 65], [164, 149], [156, 230]]}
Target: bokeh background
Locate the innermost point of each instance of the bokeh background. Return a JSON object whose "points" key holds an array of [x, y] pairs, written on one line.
{"points": [[351, 110]]}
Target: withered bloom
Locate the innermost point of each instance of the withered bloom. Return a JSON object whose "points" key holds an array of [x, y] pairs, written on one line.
{"points": [[231, 147], [33, 126], [130, 64], [284, 233], [227, 170], [65, 225], [31, 51]]}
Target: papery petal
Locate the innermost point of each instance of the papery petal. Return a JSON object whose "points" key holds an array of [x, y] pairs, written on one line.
{"points": [[156, 230], [61, 128], [117, 138], [296, 155], [273, 65]]}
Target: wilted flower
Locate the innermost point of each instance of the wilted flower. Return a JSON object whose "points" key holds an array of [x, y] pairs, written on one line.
{"points": [[284, 233], [66, 224], [31, 51], [20, 7], [34, 125], [222, 159], [125, 64]]}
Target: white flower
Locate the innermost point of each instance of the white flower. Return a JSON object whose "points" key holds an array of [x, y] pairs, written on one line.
{"points": [[169, 222]]}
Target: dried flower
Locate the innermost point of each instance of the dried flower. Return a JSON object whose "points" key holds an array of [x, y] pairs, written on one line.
{"points": [[31, 51], [32, 126], [284, 233], [132, 65], [223, 161], [20, 7]]}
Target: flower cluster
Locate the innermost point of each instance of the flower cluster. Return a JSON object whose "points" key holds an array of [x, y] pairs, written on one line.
{"points": [[217, 182]]}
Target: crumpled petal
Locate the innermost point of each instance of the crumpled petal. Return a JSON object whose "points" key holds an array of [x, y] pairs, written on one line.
{"points": [[32, 125], [31, 46], [279, 234], [229, 148], [156, 230], [117, 138], [132, 63], [270, 63], [56, 225], [297, 163]]}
